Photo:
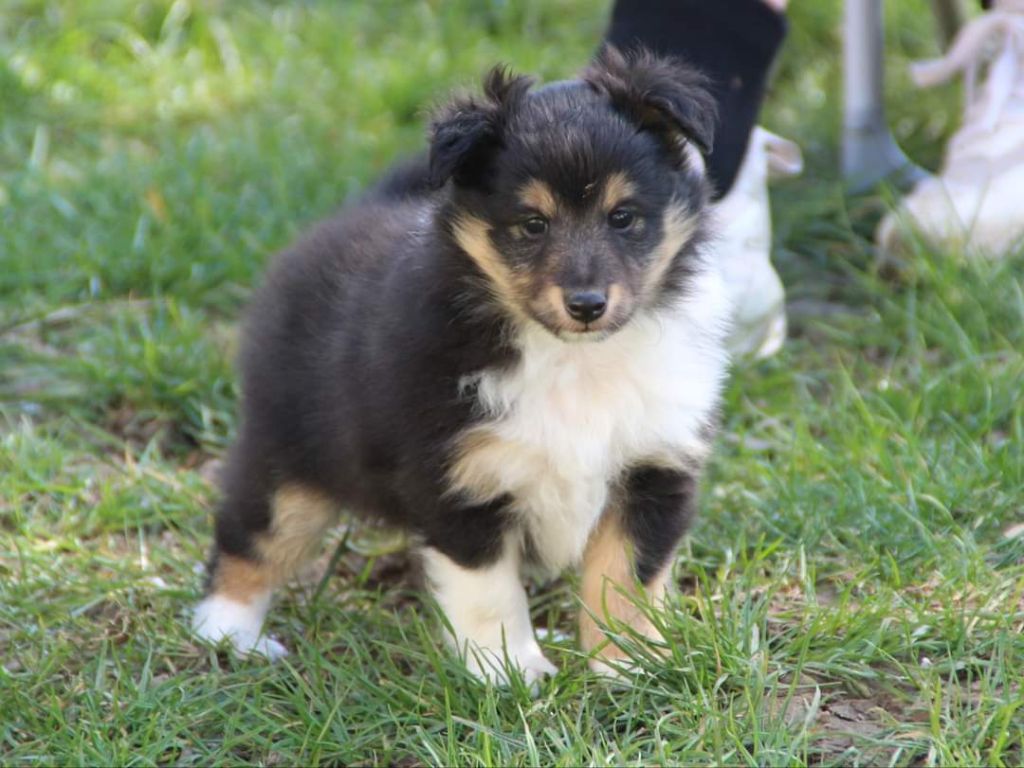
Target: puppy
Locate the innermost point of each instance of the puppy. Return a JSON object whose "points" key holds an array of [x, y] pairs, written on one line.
{"points": [[513, 350]]}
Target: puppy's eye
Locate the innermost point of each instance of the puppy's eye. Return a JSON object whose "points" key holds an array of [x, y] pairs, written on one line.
{"points": [[620, 218], [535, 226]]}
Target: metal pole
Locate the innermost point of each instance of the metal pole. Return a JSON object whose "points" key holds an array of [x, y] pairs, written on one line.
{"points": [[870, 153]]}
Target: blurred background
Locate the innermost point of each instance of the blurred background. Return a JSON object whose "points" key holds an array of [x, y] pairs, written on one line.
{"points": [[859, 547]]}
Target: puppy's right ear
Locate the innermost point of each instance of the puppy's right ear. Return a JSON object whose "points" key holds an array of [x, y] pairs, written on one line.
{"points": [[465, 133]]}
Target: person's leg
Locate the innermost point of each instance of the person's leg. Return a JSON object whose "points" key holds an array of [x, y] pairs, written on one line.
{"points": [[734, 42]]}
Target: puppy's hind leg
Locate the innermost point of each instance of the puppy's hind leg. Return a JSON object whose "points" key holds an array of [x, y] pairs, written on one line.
{"points": [[262, 540], [236, 605]]}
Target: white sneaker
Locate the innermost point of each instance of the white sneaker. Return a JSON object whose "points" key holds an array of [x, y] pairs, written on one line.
{"points": [[976, 202], [744, 244]]}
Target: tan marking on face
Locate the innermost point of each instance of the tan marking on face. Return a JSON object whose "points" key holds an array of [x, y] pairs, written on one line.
{"points": [[610, 591], [680, 225], [617, 189], [617, 298], [552, 306], [471, 235], [537, 195]]}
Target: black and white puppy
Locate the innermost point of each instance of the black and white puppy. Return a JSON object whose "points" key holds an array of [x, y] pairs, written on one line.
{"points": [[514, 351]]}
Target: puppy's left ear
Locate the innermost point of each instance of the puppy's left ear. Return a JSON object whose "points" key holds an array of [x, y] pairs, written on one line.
{"points": [[661, 94]]}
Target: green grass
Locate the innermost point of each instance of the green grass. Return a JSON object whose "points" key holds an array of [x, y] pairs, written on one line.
{"points": [[853, 592]]}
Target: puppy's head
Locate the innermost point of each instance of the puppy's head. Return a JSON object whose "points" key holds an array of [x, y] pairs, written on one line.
{"points": [[582, 202]]}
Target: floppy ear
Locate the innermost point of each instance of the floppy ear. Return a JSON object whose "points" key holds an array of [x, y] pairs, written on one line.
{"points": [[661, 94], [465, 132]]}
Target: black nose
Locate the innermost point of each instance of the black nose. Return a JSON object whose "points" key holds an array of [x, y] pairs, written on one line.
{"points": [[586, 306]]}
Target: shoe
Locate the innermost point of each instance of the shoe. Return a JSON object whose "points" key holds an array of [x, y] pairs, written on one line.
{"points": [[744, 244], [974, 204]]}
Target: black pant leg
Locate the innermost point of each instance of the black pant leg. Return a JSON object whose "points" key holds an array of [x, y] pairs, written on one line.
{"points": [[734, 42]]}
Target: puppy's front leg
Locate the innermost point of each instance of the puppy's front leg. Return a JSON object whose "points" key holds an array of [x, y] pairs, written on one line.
{"points": [[628, 559], [487, 609]]}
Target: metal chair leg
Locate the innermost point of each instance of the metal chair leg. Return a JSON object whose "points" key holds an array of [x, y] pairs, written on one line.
{"points": [[870, 153]]}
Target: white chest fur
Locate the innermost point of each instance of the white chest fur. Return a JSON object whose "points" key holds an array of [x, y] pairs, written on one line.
{"points": [[570, 417]]}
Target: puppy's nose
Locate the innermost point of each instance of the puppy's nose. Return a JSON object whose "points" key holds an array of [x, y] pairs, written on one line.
{"points": [[586, 306]]}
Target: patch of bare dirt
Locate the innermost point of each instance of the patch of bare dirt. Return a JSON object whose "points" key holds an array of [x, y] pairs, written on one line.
{"points": [[366, 557], [842, 725], [871, 727], [138, 429], [210, 469]]}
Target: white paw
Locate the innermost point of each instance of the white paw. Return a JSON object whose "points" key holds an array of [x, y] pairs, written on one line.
{"points": [[606, 670], [536, 668], [490, 665], [268, 647], [218, 618]]}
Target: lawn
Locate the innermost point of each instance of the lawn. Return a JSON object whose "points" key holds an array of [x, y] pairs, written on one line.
{"points": [[853, 592]]}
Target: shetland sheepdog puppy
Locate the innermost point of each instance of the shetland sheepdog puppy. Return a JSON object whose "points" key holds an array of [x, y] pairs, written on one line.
{"points": [[512, 349]]}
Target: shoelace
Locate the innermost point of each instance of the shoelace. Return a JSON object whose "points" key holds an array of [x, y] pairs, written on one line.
{"points": [[968, 52]]}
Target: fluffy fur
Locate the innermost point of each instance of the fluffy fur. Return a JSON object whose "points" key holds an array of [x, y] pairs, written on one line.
{"points": [[512, 349]]}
